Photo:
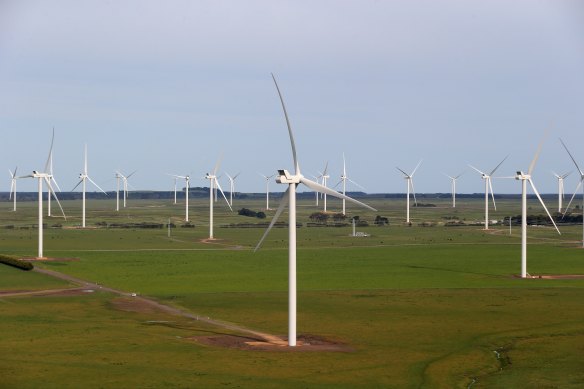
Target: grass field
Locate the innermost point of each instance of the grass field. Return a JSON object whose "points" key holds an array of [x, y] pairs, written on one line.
{"points": [[421, 306]]}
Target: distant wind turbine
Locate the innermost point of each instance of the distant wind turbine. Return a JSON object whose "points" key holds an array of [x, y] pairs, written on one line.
{"points": [[120, 176], [488, 187], [232, 186], [344, 179], [187, 189], [289, 198], [267, 178], [324, 176], [524, 178], [453, 187], [410, 184], [13, 179], [84, 176], [560, 178], [213, 182], [576, 190]]}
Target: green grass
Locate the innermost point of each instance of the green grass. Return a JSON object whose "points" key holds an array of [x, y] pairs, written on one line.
{"points": [[421, 306]]}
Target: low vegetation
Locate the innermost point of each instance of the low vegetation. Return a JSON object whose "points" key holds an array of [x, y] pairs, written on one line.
{"points": [[15, 262]]}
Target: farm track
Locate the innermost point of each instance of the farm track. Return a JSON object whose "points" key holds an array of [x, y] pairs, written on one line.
{"points": [[156, 305]]}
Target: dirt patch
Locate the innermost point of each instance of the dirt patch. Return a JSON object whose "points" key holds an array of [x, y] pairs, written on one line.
{"points": [[134, 304], [560, 276], [305, 343]]}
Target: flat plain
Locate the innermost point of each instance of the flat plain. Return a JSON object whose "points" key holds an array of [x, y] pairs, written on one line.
{"points": [[417, 306]]}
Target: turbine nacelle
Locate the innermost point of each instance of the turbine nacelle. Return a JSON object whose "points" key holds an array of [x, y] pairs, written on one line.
{"points": [[284, 177], [522, 176]]}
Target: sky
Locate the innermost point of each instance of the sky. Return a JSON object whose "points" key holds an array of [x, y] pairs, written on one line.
{"points": [[167, 87]]}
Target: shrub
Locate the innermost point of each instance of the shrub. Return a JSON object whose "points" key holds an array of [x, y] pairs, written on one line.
{"points": [[15, 262]]}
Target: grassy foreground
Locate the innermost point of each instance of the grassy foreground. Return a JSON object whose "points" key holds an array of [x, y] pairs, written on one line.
{"points": [[421, 306]]}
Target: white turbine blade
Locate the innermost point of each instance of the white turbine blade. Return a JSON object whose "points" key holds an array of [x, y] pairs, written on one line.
{"points": [[337, 184], [52, 191], [556, 174], [55, 181], [12, 175], [292, 143], [567, 174], [283, 203], [217, 164], [223, 194], [79, 183], [535, 158], [456, 177], [323, 189], [27, 176], [471, 166], [543, 205], [229, 177], [573, 195], [235, 176], [411, 180], [263, 175], [417, 166], [50, 157], [354, 183], [12, 185], [492, 193], [573, 160], [500, 163], [452, 178], [405, 174], [344, 166], [85, 154], [97, 186], [131, 174]]}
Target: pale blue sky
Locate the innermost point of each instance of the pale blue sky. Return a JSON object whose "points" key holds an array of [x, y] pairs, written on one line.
{"points": [[166, 86]]}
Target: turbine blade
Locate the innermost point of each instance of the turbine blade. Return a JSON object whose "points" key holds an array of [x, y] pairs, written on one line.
{"points": [[535, 158], [573, 160], [456, 177], [338, 183], [55, 181], [500, 163], [492, 193], [223, 194], [50, 157], [235, 176], [354, 183], [79, 183], [85, 158], [52, 191], [292, 143], [283, 203], [476, 169], [411, 180], [131, 174], [405, 174], [344, 166], [97, 186], [323, 189], [543, 205], [573, 195], [417, 166]]}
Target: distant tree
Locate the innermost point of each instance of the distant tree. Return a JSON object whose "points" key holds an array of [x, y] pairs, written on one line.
{"points": [[319, 217]]}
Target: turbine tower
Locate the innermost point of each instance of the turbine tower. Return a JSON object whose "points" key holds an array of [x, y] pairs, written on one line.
{"points": [[232, 186], [324, 176], [488, 187], [410, 184], [13, 179], [577, 187], [84, 176], [267, 178], [289, 198], [560, 178], [214, 183], [453, 187], [344, 179], [187, 189], [524, 178]]}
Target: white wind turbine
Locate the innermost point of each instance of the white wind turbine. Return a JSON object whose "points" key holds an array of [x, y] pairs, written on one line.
{"points": [[344, 179], [187, 189], [488, 187], [84, 176], [289, 198], [120, 176], [316, 194], [324, 176], [175, 180], [13, 179], [524, 178], [46, 178], [576, 191], [560, 178], [453, 187], [214, 183], [267, 178], [232, 186], [410, 183]]}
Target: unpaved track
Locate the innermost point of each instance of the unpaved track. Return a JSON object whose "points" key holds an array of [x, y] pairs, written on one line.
{"points": [[272, 339]]}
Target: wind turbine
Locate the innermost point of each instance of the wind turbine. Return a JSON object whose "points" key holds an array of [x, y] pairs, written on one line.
{"points": [[120, 176], [324, 176], [187, 188], [575, 191], [488, 186], [410, 183], [316, 194], [13, 179], [453, 187], [214, 183], [84, 176], [344, 179], [267, 189], [289, 198], [232, 186], [175, 180], [560, 178], [524, 178]]}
